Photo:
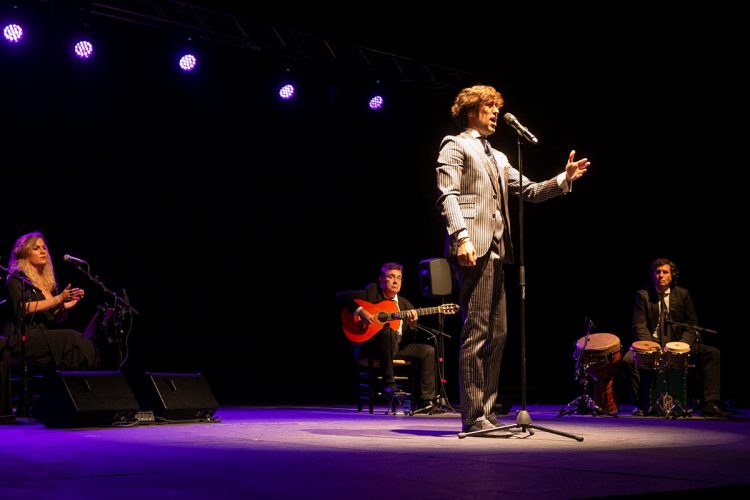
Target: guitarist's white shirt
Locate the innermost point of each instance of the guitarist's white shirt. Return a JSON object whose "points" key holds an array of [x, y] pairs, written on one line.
{"points": [[400, 323]]}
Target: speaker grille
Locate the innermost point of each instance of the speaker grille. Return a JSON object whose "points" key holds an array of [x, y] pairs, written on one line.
{"points": [[84, 399], [435, 278], [180, 396]]}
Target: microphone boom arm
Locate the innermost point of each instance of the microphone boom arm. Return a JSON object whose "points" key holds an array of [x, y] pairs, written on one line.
{"points": [[693, 327], [117, 298]]}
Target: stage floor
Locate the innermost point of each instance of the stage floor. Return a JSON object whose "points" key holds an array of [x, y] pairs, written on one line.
{"points": [[336, 452]]}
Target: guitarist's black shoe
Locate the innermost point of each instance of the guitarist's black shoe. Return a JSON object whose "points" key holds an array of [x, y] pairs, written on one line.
{"points": [[430, 408], [391, 389]]}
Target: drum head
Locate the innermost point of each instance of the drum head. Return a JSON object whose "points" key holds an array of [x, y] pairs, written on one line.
{"points": [[599, 342], [645, 346], [677, 347]]}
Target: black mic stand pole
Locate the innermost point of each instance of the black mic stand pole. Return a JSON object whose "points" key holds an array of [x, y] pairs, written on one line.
{"points": [[442, 403], [523, 419], [121, 307]]}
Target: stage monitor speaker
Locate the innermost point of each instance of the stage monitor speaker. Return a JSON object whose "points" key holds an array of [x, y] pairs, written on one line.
{"points": [[86, 399], [435, 278], [179, 396]]}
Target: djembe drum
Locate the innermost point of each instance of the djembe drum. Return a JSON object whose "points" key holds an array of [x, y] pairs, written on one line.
{"points": [[601, 356]]}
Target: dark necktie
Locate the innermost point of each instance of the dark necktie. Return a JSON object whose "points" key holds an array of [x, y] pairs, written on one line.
{"points": [[499, 229], [488, 150], [662, 318]]}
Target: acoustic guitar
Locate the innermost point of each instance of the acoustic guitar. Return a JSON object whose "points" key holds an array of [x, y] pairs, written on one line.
{"points": [[384, 312]]}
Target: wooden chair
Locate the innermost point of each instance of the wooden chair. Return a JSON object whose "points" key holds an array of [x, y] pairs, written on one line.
{"points": [[27, 382], [370, 382]]}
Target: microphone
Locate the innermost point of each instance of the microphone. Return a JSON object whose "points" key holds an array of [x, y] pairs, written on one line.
{"points": [[522, 131], [589, 323], [74, 260]]}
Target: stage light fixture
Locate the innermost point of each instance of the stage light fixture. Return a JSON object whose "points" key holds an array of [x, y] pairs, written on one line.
{"points": [[376, 102], [286, 92], [13, 33], [188, 62], [84, 49]]}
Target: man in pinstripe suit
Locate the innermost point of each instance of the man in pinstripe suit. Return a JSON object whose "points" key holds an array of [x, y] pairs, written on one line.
{"points": [[474, 182]]}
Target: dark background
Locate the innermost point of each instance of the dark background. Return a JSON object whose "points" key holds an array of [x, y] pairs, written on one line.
{"points": [[232, 218]]}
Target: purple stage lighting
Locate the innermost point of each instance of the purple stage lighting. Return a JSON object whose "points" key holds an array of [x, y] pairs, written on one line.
{"points": [[84, 49], [188, 62], [376, 102], [13, 33], [286, 92]]}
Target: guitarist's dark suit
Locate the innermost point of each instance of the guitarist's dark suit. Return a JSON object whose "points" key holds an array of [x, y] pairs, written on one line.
{"points": [[387, 344]]}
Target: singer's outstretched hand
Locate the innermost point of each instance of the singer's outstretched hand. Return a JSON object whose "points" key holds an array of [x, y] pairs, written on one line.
{"points": [[71, 296], [575, 169]]}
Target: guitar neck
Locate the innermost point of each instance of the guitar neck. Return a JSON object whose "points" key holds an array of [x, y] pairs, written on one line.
{"points": [[423, 311]]}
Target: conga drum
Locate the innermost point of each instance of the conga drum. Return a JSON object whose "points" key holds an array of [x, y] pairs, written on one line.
{"points": [[601, 354], [676, 354], [646, 354]]}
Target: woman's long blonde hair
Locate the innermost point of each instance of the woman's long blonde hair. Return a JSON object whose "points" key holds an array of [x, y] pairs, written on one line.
{"points": [[19, 261]]}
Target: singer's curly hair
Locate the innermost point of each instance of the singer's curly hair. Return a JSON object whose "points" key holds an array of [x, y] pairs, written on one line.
{"points": [[19, 261], [471, 98]]}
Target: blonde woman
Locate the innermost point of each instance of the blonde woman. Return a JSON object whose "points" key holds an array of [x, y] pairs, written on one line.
{"points": [[36, 302]]}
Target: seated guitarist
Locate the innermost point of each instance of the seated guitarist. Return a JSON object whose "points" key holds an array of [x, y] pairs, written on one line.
{"points": [[389, 342]]}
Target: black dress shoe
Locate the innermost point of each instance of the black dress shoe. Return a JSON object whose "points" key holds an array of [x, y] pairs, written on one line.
{"points": [[712, 409]]}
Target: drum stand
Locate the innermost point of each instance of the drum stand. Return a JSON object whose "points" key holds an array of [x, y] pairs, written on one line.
{"points": [[583, 404], [666, 405]]}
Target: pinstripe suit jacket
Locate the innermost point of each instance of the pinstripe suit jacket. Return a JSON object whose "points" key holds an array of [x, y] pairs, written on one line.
{"points": [[470, 194]]}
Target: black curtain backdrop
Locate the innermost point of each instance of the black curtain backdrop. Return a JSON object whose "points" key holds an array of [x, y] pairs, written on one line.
{"points": [[232, 218]]}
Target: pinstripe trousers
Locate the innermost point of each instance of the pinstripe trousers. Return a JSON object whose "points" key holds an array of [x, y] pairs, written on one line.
{"points": [[482, 299]]}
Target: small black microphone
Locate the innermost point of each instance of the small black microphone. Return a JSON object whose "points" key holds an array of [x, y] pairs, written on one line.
{"points": [[74, 260], [522, 131], [589, 323]]}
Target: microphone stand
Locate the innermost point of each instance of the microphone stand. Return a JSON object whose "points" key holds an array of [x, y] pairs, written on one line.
{"points": [[698, 329], [432, 331], [442, 398], [121, 308], [523, 419]]}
